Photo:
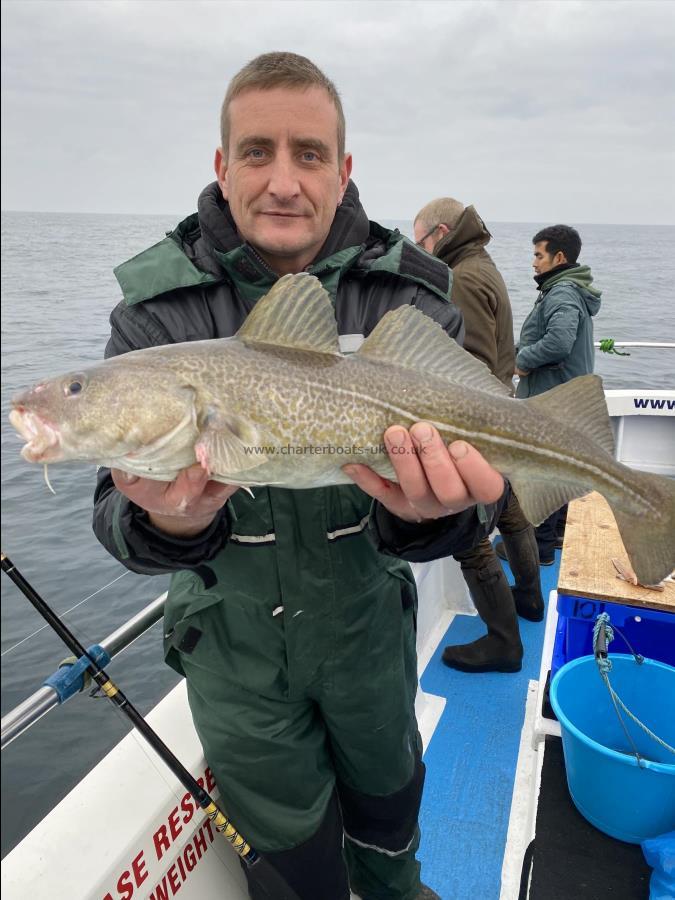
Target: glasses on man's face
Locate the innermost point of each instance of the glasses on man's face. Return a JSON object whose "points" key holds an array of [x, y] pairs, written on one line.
{"points": [[421, 241]]}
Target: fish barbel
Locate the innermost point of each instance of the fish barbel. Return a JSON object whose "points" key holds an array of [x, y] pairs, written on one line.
{"points": [[278, 404]]}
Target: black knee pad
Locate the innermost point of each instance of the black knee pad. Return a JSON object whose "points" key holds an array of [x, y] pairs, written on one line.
{"points": [[313, 869], [383, 823]]}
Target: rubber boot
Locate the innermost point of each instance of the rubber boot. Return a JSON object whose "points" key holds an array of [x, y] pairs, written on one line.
{"points": [[523, 556], [427, 894], [500, 650]]}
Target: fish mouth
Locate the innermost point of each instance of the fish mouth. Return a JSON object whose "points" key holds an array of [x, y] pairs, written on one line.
{"points": [[43, 442]]}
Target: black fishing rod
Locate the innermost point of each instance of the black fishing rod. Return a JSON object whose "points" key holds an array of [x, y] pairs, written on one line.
{"points": [[266, 877]]}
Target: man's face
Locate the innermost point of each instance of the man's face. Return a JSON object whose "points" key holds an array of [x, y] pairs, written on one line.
{"points": [[282, 178], [544, 261], [427, 238], [424, 239]]}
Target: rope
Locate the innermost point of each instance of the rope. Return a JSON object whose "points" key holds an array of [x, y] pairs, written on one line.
{"points": [[646, 730], [607, 346], [603, 630]]}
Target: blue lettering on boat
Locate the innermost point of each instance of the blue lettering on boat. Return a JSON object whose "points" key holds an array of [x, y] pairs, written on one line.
{"points": [[650, 402]]}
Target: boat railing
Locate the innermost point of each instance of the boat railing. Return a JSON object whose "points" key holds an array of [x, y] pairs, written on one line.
{"points": [[46, 698], [658, 345]]}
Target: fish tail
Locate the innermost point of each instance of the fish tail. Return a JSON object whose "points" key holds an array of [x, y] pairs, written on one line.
{"points": [[643, 506], [578, 406], [649, 537]]}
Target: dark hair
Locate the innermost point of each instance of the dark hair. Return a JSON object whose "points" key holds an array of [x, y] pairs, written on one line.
{"points": [[560, 237]]}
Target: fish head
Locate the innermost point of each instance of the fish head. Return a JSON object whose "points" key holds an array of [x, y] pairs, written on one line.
{"points": [[101, 414]]}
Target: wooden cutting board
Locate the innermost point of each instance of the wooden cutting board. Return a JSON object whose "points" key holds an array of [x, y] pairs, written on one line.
{"points": [[592, 540]]}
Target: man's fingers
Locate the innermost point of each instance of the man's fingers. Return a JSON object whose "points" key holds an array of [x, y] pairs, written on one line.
{"points": [[189, 485], [183, 507], [444, 481], [403, 455], [217, 493], [217, 489], [125, 477], [484, 484], [369, 481], [191, 494], [437, 480], [384, 491], [139, 490]]}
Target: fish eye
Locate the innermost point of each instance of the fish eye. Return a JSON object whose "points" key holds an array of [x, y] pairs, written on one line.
{"points": [[74, 387]]}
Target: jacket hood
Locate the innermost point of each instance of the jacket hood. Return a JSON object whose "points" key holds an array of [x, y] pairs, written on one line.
{"points": [[469, 235], [581, 278], [215, 219]]}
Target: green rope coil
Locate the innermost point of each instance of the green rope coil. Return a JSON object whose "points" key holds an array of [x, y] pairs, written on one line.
{"points": [[607, 346]]}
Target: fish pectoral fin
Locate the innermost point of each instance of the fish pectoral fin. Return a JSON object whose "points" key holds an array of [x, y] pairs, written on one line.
{"points": [[539, 495], [297, 313], [580, 403], [227, 444], [408, 337]]}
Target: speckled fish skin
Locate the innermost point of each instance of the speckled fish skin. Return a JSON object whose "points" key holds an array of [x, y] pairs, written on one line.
{"points": [[278, 405]]}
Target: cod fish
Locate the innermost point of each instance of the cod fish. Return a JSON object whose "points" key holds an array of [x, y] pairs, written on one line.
{"points": [[278, 404]]}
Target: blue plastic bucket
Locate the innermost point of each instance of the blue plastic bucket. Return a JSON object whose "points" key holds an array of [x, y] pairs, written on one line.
{"points": [[627, 801]]}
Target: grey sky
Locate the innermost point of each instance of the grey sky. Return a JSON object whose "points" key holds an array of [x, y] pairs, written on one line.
{"points": [[533, 111]]}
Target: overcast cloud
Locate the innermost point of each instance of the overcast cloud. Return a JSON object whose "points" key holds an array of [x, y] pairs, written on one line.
{"points": [[532, 111]]}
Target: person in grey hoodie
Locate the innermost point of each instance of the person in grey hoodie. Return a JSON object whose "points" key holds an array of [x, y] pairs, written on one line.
{"points": [[556, 340]]}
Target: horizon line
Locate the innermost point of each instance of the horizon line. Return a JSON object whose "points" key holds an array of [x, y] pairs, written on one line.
{"points": [[63, 212]]}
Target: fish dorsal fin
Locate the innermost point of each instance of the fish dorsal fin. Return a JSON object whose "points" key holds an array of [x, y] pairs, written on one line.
{"points": [[579, 403], [296, 313], [408, 337]]}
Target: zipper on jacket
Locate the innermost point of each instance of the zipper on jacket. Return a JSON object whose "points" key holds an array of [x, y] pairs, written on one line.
{"points": [[260, 262]]}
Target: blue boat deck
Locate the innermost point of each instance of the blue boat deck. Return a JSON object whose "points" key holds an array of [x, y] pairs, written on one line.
{"points": [[471, 761]]}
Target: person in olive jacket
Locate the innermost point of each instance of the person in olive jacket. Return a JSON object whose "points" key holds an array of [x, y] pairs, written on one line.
{"points": [[556, 340], [292, 613], [458, 236]]}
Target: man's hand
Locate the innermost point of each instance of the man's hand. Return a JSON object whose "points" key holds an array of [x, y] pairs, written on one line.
{"points": [[522, 373], [183, 507], [433, 480]]}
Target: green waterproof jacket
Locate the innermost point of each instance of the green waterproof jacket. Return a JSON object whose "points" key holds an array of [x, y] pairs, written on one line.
{"points": [[307, 551], [556, 340]]}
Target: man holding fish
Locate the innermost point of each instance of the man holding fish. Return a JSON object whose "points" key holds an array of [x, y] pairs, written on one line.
{"points": [[294, 626], [290, 611]]}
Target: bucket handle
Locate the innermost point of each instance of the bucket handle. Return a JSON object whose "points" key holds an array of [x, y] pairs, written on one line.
{"points": [[603, 634]]}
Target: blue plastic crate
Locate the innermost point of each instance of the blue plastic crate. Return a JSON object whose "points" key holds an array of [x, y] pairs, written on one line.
{"points": [[651, 632]]}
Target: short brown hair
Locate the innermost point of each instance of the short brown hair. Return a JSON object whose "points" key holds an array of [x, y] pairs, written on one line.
{"points": [[442, 211], [280, 69]]}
